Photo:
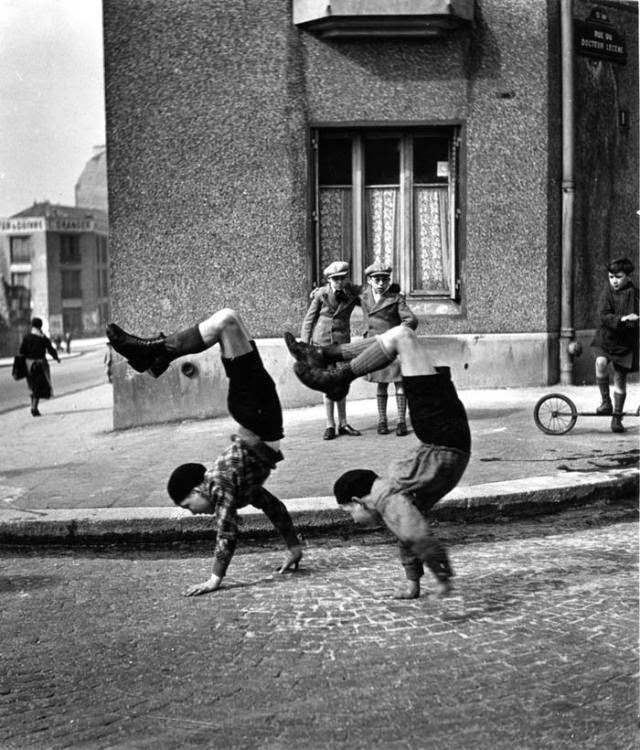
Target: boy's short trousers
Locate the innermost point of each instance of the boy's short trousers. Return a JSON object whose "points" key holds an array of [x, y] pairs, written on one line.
{"points": [[253, 400], [427, 474], [438, 417]]}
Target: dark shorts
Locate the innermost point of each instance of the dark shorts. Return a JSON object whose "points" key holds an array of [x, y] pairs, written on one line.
{"points": [[253, 400], [438, 417]]}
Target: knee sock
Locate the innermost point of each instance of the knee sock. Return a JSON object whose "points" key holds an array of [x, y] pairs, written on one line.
{"points": [[401, 403], [603, 385], [373, 358], [381, 400], [618, 402], [188, 341], [345, 352]]}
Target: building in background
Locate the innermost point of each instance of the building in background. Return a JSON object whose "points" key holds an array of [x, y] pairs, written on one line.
{"points": [[54, 263], [91, 188], [271, 138]]}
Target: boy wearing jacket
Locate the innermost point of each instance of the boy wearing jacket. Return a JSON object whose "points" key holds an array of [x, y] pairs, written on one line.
{"points": [[383, 307], [326, 322], [616, 340]]}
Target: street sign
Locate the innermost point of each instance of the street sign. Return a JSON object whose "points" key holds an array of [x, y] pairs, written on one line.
{"points": [[596, 37]]}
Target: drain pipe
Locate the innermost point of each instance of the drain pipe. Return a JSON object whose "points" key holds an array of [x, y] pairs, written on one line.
{"points": [[568, 347]]}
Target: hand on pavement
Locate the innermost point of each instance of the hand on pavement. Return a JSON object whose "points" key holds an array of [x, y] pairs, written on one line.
{"points": [[213, 584], [294, 555]]}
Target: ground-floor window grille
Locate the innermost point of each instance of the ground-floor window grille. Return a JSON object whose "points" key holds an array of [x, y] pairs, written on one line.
{"points": [[391, 196]]}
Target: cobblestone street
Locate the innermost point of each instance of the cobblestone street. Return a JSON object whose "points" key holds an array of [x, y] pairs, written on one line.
{"points": [[537, 647]]}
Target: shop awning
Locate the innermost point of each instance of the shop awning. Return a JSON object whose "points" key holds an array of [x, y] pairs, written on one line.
{"points": [[382, 18]]}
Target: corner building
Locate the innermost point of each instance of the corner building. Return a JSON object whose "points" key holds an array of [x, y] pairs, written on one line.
{"points": [[251, 143]]}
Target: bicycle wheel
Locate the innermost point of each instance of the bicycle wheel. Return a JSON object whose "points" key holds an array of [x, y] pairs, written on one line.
{"points": [[555, 414]]}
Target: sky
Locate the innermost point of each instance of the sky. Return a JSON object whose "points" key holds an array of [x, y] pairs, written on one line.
{"points": [[51, 98]]}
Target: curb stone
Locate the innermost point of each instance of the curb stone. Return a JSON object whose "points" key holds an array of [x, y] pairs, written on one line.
{"points": [[313, 515]]}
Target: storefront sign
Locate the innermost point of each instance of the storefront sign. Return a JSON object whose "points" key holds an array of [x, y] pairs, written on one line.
{"points": [[31, 224], [596, 37], [70, 225]]}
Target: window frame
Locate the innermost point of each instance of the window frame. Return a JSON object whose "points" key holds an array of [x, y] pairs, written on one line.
{"points": [[70, 243], [19, 242], [404, 262], [65, 275]]}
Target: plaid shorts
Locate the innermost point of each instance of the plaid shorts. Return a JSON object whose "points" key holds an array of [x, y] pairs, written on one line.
{"points": [[427, 474]]}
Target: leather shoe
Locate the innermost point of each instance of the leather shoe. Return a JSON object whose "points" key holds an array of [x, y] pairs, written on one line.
{"points": [[329, 433], [334, 382], [401, 429], [141, 354], [303, 352], [347, 429], [605, 408], [383, 428], [616, 423]]}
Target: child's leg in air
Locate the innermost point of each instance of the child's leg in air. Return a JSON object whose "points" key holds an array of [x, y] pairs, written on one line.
{"points": [[225, 327], [619, 396], [602, 379], [155, 354]]}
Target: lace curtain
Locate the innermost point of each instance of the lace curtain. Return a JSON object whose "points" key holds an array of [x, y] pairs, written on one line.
{"points": [[381, 226], [431, 265], [432, 256], [336, 225]]}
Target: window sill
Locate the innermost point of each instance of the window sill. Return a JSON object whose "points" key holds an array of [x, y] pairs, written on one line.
{"points": [[429, 306]]}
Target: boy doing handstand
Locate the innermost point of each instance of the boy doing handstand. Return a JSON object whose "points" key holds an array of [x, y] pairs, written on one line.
{"points": [[413, 485], [236, 477]]}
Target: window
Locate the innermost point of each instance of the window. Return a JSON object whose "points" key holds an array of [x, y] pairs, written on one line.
{"points": [[103, 282], [72, 320], [20, 296], [103, 314], [390, 196], [69, 249], [22, 280], [102, 257], [71, 288], [20, 249]]}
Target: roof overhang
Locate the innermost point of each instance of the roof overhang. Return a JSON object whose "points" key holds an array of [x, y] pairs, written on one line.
{"points": [[348, 19]]}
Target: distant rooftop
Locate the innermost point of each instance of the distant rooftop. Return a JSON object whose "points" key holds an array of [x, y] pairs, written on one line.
{"points": [[55, 211]]}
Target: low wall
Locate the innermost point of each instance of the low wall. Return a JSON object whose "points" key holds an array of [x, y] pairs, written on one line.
{"points": [[476, 361]]}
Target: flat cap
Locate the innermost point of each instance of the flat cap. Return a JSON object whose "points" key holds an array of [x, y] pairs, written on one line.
{"points": [[183, 480], [337, 268], [377, 269]]}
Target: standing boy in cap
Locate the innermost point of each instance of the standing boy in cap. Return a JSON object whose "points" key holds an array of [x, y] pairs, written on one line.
{"points": [[412, 486], [328, 322], [236, 477], [383, 307]]}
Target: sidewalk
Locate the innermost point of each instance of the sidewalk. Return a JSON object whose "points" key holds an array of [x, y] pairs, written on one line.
{"points": [[77, 347], [69, 477]]}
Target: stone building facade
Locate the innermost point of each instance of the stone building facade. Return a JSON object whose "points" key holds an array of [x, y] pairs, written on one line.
{"points": [[56, 266], [250, 143]]}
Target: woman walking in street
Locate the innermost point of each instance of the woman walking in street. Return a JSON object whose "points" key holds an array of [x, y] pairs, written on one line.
{"points": [[34, 348]]}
